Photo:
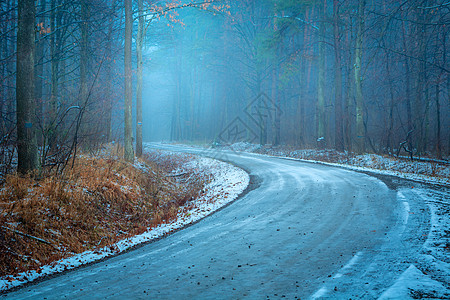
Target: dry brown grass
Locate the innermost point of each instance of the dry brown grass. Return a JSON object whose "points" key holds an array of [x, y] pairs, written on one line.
{"points": [[97, 203]]}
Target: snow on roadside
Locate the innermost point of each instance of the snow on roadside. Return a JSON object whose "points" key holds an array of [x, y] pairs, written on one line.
{"points": [[227, 183], [423, 171], [413, 284], [429, 275]]}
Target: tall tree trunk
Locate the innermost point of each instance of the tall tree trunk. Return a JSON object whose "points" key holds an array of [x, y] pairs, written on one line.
{"points": [[54, 61], [191, 108], [26, 127], [420, 84], [339, 135], [262, 120], [391, 104], [348, 90], [128, 140], [275, 99], [84, 50], [54, 74], [303, 90], [85, 127], [176, 133], [139, 47], [301, 108], [407, 87], [11, 81], [438, 124], [39, 59], [360, 130], [4, 69], [109, 94], [321, 118], [276, 95], [438, 110]]}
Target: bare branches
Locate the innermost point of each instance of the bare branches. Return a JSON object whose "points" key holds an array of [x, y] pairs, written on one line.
{"points": [[442, 68], [28, 236], [434, 6], [296, 18]]}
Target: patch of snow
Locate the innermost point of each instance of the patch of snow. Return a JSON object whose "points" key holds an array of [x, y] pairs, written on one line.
{"points": [[429, 276], [429, 171], [437, 246], [320, 294], [399, 169], [413, 284], [227, 183]]}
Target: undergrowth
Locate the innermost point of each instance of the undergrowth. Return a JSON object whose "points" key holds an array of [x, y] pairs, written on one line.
{"points": [[98, 202]]}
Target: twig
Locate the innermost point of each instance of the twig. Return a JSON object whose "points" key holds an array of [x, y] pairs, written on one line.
{"points": [[177, 175], [29, 236]]}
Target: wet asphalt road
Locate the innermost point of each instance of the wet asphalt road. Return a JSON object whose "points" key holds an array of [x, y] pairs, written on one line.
{"points": [[305, 231]]}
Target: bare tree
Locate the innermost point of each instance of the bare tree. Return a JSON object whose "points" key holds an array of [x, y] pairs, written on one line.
{"points": [[339, 135], [26, 127], [128, 151], [360, 130], [139, 47], [321, 117]]}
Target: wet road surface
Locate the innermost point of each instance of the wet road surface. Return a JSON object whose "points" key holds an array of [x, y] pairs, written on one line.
{"points": [[306, 231]]}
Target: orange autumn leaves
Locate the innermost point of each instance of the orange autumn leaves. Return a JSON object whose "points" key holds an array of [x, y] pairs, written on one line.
{"points": [[169, 10]]}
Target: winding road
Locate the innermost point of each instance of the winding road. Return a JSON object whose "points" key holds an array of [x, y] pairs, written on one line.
{"points": [[303, 231]]}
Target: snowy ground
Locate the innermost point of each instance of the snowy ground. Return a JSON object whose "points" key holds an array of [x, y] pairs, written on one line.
{"points": [[226, 185], [429, 276], [434, 172]]}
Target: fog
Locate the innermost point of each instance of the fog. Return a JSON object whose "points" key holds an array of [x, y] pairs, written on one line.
{"points": [[357, 76], [205, 73]]}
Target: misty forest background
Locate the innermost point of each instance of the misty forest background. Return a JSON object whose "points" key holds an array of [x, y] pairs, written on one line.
{"points": [[351, 75]]}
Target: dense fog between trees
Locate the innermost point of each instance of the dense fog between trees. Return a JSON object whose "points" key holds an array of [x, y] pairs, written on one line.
{"points": [[351, 75]]}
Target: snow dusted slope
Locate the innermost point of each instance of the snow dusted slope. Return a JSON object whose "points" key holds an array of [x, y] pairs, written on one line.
{"points": [[227, 183], [434, 172], [425, 278], [413, 283]]}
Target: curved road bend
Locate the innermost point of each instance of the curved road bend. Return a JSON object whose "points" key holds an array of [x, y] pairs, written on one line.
{"points": [[307, 230]]}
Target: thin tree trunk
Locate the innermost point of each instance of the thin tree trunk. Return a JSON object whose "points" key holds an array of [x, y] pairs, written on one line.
{"points": [[54, 76], [360, 130], [321, 118], [301, 108], [11, 81], [391, 100], [391, 105], [139, 47], [84, 50], [407, 88], [339, 135], [4, 70], [176, 133], [191, 114], [39, 59], [109, 100], [444, 60], [26, 127], [128, 140], [438, 124], [275, 99], [85, 127], [276, 95], [348, 91], [302, 93], [419, 88]]}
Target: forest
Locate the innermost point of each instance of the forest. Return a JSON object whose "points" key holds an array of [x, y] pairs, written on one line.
{"points": [[357, 76], [123, 122]]}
